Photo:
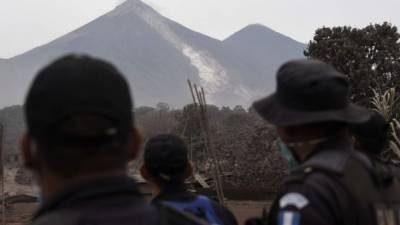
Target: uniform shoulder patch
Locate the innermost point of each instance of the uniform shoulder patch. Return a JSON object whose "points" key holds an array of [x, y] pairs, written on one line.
{"points": [[289, 218], [293, 199]]}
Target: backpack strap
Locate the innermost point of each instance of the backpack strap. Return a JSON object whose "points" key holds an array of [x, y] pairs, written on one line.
{"points": [[210, 209], [202, 205], [175, 216]]}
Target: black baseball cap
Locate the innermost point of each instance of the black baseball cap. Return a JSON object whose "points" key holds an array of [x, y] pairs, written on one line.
{"points": [[79, 85], [165, 156]]}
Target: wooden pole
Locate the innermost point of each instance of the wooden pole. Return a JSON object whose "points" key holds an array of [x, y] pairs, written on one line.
{"points": [[212, 149], [191, 91], [204, 126], [198, 96]]}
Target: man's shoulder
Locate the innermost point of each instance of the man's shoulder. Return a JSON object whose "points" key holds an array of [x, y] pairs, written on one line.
{"points": [[312, 175], [60, 217], [316, 181], [141, 214], [315, 196], [157, 215], [147, 215], [330, 161], [329, 165]]}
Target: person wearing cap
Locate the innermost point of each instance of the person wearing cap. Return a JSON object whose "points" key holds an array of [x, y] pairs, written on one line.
{"points": [[166, 167], [80, 137], [329, 182]]}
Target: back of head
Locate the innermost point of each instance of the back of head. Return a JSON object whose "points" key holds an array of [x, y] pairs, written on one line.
{"points": [[79, 113], [165, 159], [371, 136]]}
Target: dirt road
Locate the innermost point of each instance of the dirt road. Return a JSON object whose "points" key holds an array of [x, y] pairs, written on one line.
{"points": [[244, 210]]}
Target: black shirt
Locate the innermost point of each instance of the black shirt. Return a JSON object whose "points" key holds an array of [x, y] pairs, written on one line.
{"points": [[313, 196], [103, 202], [179, 193]]}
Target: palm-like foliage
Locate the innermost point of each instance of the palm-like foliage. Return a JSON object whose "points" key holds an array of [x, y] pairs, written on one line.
{"points": [[384, 103], [394, 133]]}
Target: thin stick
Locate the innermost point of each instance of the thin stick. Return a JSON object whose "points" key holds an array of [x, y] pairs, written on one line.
{"points": [[203, 95], [209, 144], [191, 91], [203, 128], [212, 149], [198, 96]]}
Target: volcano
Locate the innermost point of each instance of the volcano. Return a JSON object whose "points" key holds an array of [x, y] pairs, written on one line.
{"points": [[158, 55]]}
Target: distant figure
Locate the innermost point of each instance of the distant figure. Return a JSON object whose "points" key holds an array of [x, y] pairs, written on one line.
{"points": [[329, 182], [371, 137], [80, 137], [166, 167]]}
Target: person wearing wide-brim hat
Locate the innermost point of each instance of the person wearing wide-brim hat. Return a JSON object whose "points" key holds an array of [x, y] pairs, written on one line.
{"points": [[312, 111]]}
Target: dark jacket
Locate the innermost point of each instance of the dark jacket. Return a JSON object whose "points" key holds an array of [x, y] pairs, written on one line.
{"points": [[336, 185], [104, 202], [179, 193]]}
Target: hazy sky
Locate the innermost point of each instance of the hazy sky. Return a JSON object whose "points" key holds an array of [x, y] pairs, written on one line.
{"points": [[25, 24]]}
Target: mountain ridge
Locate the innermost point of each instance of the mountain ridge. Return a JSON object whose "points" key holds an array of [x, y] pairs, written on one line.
{"points": [[158, 55], [259, 26]]}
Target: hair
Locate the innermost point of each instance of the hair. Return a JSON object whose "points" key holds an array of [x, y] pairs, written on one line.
{"points": [[168, 179], [165, 159], [371, 136], [70, 148]]}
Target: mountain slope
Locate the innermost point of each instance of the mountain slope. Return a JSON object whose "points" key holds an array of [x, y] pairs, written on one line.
{"points": [[151, 64], [157, 55], [263, 50]]}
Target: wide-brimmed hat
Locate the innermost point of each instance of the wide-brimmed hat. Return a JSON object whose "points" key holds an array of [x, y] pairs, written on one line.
{"points": [[310, 91]]}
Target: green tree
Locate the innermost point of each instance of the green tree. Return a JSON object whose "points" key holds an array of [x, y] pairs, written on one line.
{"points": [[239, 108], [142, 110], [162, 107], [370, 56]]}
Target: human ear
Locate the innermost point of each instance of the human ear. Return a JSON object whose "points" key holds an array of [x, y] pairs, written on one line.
{"points": [[189, 170], [144, 173], [28, 148], [136, 144]]}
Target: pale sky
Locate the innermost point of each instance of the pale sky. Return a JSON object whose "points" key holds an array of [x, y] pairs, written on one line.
{"points": [[25, 24]]}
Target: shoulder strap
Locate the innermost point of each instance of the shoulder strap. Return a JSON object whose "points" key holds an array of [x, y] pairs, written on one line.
{"points": [[210, 209], [300, 174], [201, 207], [328, 162], [173, 216]]}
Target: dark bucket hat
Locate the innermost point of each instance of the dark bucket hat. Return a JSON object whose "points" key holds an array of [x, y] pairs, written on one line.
{"points": [[310, 91]]}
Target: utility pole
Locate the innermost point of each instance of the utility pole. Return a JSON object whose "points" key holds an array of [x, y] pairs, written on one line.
{"points": [[3, 205]]}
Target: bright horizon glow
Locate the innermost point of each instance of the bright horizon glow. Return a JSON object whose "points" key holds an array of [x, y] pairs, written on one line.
{"points": [[28, 24]]}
